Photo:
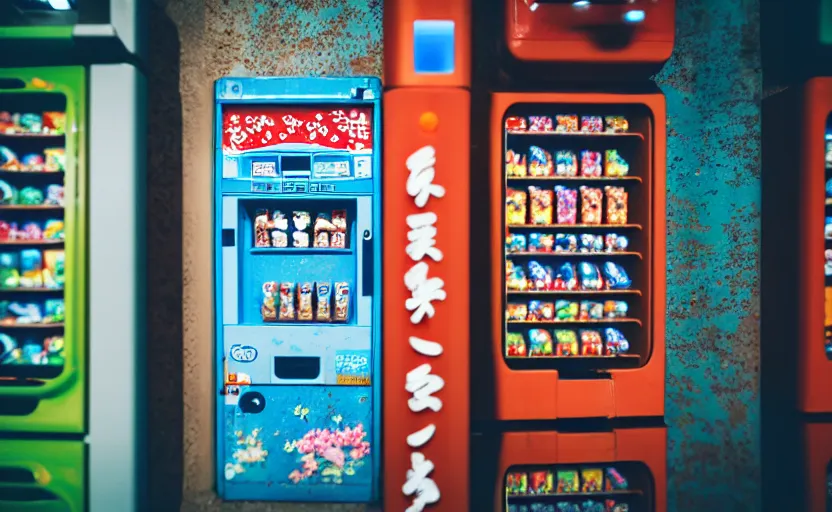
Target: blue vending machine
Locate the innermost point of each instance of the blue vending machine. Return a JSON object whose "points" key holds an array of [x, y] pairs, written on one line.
{"points": [[298, 288]]}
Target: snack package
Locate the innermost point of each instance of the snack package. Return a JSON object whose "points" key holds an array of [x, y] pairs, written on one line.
{"points": [[827, 266], [615, 342], [515, 124], [54, 122], [9, 275], [305, 311], [7, 231], [591, 345], [342, 302], [9, 160], [323, 311], [540, 124], [54, 195], [30, 231], [567, 205], [592, 124], [53, 268], [568, 482], [268, 310], [31, 268], [589, 276], [566, 164], [567, 123], [261, 229], [617, 124], [8, 194], [566, 310], [541, 205], [565, 278], [515, 207], [591, 199], [32, 163], [827, 228], [591, 310], [515, 243], [592, 480], [614, 164], [54, 311], [590, 243], [592, 506], [591, 164], [55, 159], [615, 309], [567, 343], [516, 312], [31, 123], [20, 313], [566, 506], [300, 229], [541, 311], [539, 277], [515, 345], [53, 230], [30, 196], [614, 481], [338, 238], [541, 482], [286, 304], [616, 277], [515, 164], [540, 162], [613, 506], [517, 483], [616, 205], [615, 243], [540, 343], [516, 277], [541, 242], [279, 226], [323, 227], [566, 243]]}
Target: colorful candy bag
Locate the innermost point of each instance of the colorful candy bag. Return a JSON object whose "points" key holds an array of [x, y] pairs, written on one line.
{"points": [[261, 229], [55, 159], [540, 343], [342, 302], [568, 480], [615, 309], [516, 312], [31, 268], [541, 482], [540, 162], [267, 309], [589, 276], [614, 481], [827, 266], [567, 123], [323, 292], [591, 164], [615, 243], [566, 506], [567, 343], [517, 483], [591, 310], [565, 278], [515, 164], [614, 165], [591, 199], [540, 278], [566, 310], [53, 269], [617, 124], [566, 243], [515, 345], [592, 506], [541, 205], [322, 228], [305, 311], [515, 124], [515, 207], [540, 124], [541, 311], [515, 243], [616, 205], [540, 242], [516, 277], [591, 345], [338, 240], [9, 275], [590, 243], [566, 163], [592, 480], [616, 277], [286, 304], [8, 194], [592, 124], [567, 205], [300, 229], [615, 342], [279, 226], [53, 230]]}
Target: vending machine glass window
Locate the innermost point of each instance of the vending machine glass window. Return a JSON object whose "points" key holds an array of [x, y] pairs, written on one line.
{"points": [[32, 256], [827, 268], [297, 294], [601, 487], [577, 223], [829, 487]]}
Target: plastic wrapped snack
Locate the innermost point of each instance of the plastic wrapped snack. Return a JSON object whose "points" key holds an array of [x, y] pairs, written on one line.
{"points": [[567, 123], [342, 302], [617, 124], [593, 506], [616, 205], [591, 164], [515, 207], [568, 482], [614, 481], [566, 506], [592, 124], [516, 279], [515, 164], [305, 311], [616, 277], [614, 164], [567, 343], [286, 303], [541, 242], [540, 162], [323, 293], [592, 480], [300, 229], [31, 268], [540, 343], [9, 274], [540, 124], [591, 199], [589, 276], [615, 342], [517, 483], [515, 345], [53, 268], [616, 243], [565, 278], [261, 229], [591, 243], [541, 482], [516, 124], [338, 238], [516, 312], [566, 310], [541, 205], [591, 345], [567, 206], [515, 243], [279, 229], [566, 242], [615, 309], [540, 278], [591, 310], [322, 229], [541, 311], [566, 164]]}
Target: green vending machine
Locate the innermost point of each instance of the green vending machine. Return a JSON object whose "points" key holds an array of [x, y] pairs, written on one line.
{"points": [[72, 179]]}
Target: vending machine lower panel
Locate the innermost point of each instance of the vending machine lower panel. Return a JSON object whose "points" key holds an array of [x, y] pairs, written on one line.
{"points": [[818, 466], [42, 476]]}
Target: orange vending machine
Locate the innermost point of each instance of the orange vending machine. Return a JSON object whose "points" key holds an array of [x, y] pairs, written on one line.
{"points": [[818, 466], [426, 220], [578, 247], [590, 31]]}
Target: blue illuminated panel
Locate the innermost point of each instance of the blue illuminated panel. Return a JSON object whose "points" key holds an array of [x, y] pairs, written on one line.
{"points": [[433, 47]]}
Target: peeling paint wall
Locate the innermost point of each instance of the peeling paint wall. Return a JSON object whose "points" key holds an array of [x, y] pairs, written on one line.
{"points": [[713, 86]]}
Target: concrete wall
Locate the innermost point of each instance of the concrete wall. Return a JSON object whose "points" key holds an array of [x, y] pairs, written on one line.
{"points": [[713, 87]]}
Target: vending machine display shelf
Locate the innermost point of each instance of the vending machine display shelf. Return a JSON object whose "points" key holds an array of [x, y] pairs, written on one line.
{"points": [[574, 178], [574, 226], [564, 254], [534, 133], [298, 251]]}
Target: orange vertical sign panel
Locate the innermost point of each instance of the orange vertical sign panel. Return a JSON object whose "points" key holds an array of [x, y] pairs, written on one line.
{"points": [[426, 305]]}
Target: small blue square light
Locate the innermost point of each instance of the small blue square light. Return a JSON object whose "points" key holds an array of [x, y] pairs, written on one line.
{"points": [[433, 47]]}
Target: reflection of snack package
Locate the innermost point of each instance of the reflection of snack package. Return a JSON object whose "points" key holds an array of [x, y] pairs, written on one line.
{"points": [[31, 268], [515, 243], [53, 268], [591, 199], [516, 312], [540, 343], [55, 159], [589, 242], [615, 309], [279, 226], [541, 205], [305, 311], [617, 124], [267, 309], [323, 313], [567, 205], [616, 277], [540, 124], [338, 239], [286, 311], [54, 195], [342, 302], [616, 205], [616, 343], [323, 228], [540, 162], [541, 242], [516, 483], [566, 242], [9, 275], [541, 311], [567, 124], [591, 345], [516, 124], [615, 166], [54, 311], [566, 310], [541, 482], [566, 163], [515, 164], [300, 229], [591, 164], [54, 122], [515, 207], [592, 124], [568, 480], [261, 229], [615, 243], [53, 229], [515, 345]]}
